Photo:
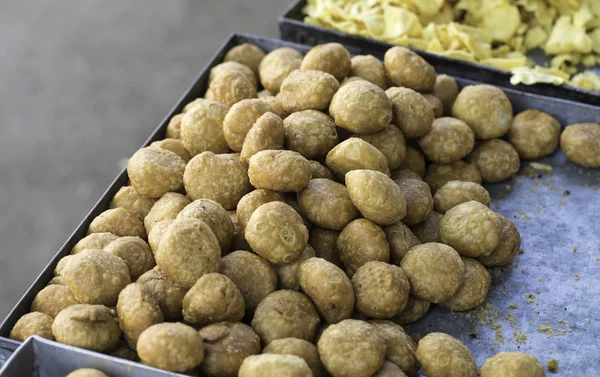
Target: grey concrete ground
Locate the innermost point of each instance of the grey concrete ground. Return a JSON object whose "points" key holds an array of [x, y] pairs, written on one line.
{"points": [[82, 85]]}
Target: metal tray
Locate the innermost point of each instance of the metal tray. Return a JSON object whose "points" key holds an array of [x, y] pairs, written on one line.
{"points": [[7, 347], [551, 225], [292, 28]]}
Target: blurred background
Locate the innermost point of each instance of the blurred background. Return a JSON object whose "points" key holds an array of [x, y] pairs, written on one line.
{"points": [[84, 82]]}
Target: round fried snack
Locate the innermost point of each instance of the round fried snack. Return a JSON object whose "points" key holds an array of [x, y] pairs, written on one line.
{"points": [[247, 54], [306, 89], [94, 276], [174, 127], [473, 290], [155, 171], [412, 112], [328, 287], [391, 143], [276, 232], [441, 355], [221, 178], [581, 144], [251, 201], [276, 66], [355, 153], [401, 239], [265, 93], [369, 68], [361, 107], [414, 161], [360, 242], [454, 193], [202, 128], [135, 252], [287, 274], [534, 134], [93, 327], [323, 241], [327, 204], [215, 216], [34, 323], [191, 105], [348, 80], [93, 241], [165, 208], [155, 235], [132, 201], [169, 295], [285, 314], [508, 246], [174, 145], [376, 196], [213, 298], [419, 202], [471, 228], [118, 221], [301, 348], [436, 105], [355, 341], [320, 171], [485, 108], [239, 239], [254, 276], [310, 133], [86, 372], [274, 365], [266, 133], [332, 58], [240, 119], [400, 346], [496, 160], [512, 364], [415, 310], [406, 68], [401, 174], [52, 299], [389, 369], [230, 87], [174, 347], [279, 170], [447, 141], [381, 289], [123, 351], [438, 175], [446, 90], [276, 106], [137, 309], [434, 270], [228, 66]]}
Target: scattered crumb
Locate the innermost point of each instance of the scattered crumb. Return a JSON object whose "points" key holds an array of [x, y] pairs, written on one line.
{"points": [[564, 322], [513, 306], [546, 329], [574, 249], [521, 251], [577, 277], [541, 278], [562, 203], [530, 297], [566, 193], [473, 334], [508, 187], [597, 258], [538, 166], [520, 338], [550, 352], [552, 365]]}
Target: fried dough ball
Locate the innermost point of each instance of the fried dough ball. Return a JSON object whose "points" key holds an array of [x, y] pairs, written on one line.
{"points": [[231, 86], [279, 170], [332, 58], [123, 351], [485, 108], [118, 221], [34, 323], [155, 171], [221, 178], [86, 372], [355, 341], [276, 106], [310, 133], [438, 175], [276, 232], [215, 216], [447, 141], [389, 369], [323, 241], [355, 153], [414, 161], [419, 202], [428, 230], [213, 298], [369, 68], [137, 309], [401, 239], [190, 105], [168, 294], [247, 54], [135, 252], [52, 299], [415, 310], [471, 228], [301, 348], [391, 143], [454, 193], [165, 208], [174, 347], [93, 241], [239, 120], [202, 128], [251, 201], [496, 160], [348, 80], [155, 235], [400, 346], [306, 89], [320, 171], [508, 246], [174, 145], [376, 196], [229, 66], [287, 274], [474, 288], [412, 112], [188, 250], [534, 134], [93, 327], [174, 127], [581, 144], [274, 365], [132, 201], [266, 133], [434, 270], [253, 275], [285, 314], [441, 355], [446, 90], [406, 68], [381, 289], [436, 105], [327, 204], [239, 239], [265, 93], [276, 66], [512, 364], [361, 107], [401, 174], [360, 242]]}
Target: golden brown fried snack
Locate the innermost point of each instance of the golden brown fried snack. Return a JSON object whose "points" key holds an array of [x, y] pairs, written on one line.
{"points": [[266, 133], [320, 171], [419, 202], [231, 86], [389, 369], [406, 68], [355, 153], [247, 54], [306, 89], [174, 145], [496, 160], [310, 133], [251, 201], [301, 348], [581, 144], [391, 143], [381, 289], [228, 66], [279, 170], [168, 294], [434, 270], [174, 347], [508, 246], [174, 127], [428, 230], [118, 221], [369, 68], [447, 141], [512, 364], [534, 134], [93, 241], [155, 235], [240, 118], [361, 107], [213, 298], [401, 174], [415, 310], [123, 351], [438, 175], [446, 90], [215, 216], [401, 239], [473, 290], [132, 201], [155, 171], [34, 323], [414, 161], [360, 242], [202, 128], [276, 106], [441, 355], [137, 309], [276, 66], [87, 372], [323, 241], [287, 274], [93, 327], [239, 239], [332, 58], [52, 299], [412, 112], [326, 204], [274, 365], [454, 193], [135, 252], [190, 105], [436, 105], [400, 346], [165, 208]]}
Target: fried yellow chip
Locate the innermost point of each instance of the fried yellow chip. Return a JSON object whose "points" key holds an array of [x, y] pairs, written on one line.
{"points": [[400, 22], [535, 37], [506, 63], [589, 61], [586, 80], [566, 37], [530, 76]]}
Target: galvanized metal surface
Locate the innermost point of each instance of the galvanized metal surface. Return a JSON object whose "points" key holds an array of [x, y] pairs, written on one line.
{"points": [[7, 347], [555, 212]]}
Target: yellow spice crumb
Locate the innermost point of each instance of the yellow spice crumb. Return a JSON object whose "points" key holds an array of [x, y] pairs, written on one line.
{"points": [[552, 365]]}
